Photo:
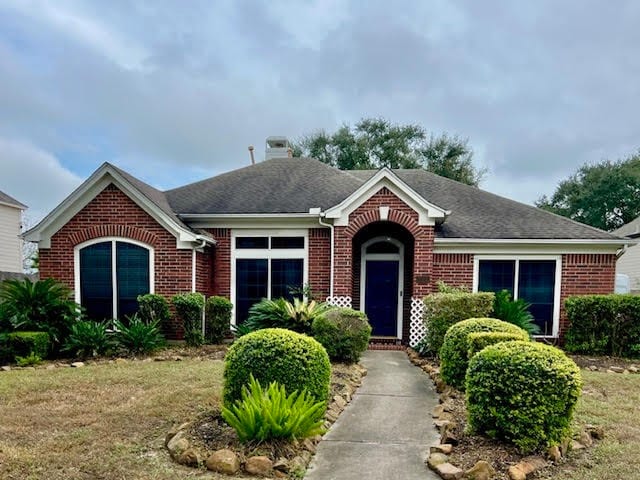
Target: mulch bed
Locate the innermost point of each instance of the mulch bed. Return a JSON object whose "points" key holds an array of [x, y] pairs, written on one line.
{"points": [[209, 432], [473, 448]]}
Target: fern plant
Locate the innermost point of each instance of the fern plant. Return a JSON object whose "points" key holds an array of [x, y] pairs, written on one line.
{"points": [[265, 414], [30, 360], [514, 311]]}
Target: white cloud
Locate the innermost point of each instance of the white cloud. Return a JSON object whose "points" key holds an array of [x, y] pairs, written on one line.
{"points": [[84, 30], [34, 177]]}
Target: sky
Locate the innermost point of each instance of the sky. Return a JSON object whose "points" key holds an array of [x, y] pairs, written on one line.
{"points": [[175, 91]]}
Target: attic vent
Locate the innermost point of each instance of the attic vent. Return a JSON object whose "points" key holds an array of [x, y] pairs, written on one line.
{"points": [[277, 147]]}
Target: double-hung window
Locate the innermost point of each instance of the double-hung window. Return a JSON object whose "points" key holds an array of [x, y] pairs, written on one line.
{"points": [[533, 279], [267, 266], [110, 274]]}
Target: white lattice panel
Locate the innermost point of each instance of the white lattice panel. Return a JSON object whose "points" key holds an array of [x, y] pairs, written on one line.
{"points": [[339, 301], [417, 329]]}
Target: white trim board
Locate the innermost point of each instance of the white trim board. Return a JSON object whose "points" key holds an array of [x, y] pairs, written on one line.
{"points": [[85, 193], [428, 213]]}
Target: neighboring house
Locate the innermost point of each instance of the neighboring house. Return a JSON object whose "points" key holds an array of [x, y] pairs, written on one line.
{"points": [[377, 241], [10, 241], [629, 263]]}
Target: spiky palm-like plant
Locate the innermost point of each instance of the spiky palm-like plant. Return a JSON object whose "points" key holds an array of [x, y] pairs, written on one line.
{"points": [[45, 306]]}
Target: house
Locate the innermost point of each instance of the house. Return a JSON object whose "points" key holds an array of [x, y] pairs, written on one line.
{"points": [[10, 227], [629, 263], [374, 240]]}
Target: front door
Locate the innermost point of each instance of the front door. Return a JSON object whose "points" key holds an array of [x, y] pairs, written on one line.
{"points": [[381, 296]]}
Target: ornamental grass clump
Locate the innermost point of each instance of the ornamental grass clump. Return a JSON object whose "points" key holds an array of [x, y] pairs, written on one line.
{"points": [[293, 360], [522, 392], [271, 413], [454, 353]]}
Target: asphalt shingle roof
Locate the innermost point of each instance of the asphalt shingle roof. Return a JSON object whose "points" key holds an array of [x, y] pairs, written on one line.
{"points": [[294, 185], [9, 200], [631, 229]]}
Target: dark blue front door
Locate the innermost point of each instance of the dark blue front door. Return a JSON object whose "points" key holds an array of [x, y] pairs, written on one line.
{"points": [[381, 296]]}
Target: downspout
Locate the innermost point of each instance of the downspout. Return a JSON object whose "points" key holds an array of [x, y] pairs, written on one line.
{"points": [[331, 252], [193, 276]]}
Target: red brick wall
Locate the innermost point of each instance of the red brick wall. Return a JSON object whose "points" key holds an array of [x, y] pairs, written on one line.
{"points": [[584, 274], [112, 213], [454, 269], [204, 273], [221, 282], [319, 262]]}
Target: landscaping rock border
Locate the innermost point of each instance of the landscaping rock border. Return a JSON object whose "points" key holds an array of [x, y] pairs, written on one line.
{"points": [[186, 451], [444, 420]]}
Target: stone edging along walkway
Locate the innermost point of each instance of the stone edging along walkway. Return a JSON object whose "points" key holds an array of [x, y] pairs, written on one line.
{"points": [[444, 420]]}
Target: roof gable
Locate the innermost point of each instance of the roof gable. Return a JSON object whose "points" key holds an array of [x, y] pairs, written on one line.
{"points": [[145, 196], [9, 201], [428, 213], [631, 229]]}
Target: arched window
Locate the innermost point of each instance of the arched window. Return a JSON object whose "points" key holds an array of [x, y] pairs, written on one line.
{"points": [[110, 274]]}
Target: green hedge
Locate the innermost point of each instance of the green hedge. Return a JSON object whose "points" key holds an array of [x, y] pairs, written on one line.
{"points": [[217, 319], [189, 309], [22, 344], [522, 392], [441, 310], [344, 333], [479, 340], [454, 353], [603, 325], [6, 355], [277, 355]]}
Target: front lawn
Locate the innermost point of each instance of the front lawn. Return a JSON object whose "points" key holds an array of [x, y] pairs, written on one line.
{"points": [[103, 421], [613, 401]]}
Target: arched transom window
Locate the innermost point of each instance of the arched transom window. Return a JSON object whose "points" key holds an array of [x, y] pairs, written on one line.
{"points": [[110, 274]]}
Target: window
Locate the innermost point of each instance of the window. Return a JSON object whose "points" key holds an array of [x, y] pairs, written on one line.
{"points": [[532, 279], [110, 275], [266, 266]]}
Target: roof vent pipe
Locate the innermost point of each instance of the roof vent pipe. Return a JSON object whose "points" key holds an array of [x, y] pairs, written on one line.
{"points": [[253, 160]]}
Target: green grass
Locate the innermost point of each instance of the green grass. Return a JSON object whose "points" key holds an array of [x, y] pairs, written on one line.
{"points": [[613, 401], [105, 421]]}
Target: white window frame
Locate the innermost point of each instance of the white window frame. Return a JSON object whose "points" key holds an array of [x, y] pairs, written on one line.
{"points": [[517, 259], [399, 257], [114, 277], [268, 254]]}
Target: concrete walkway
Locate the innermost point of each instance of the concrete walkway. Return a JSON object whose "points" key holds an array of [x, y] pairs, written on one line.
{"points": [[386, 430]]}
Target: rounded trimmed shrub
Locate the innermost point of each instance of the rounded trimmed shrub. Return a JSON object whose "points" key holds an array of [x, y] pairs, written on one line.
{"points": [[455, 349], [294, 360], [343, 332], [522, 392]]}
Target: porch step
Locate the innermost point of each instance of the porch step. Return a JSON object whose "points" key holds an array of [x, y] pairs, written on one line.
{"points": [[385, 343]]}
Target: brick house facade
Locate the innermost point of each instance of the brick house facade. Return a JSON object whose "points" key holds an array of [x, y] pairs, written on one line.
{"points": [[375, 241]]}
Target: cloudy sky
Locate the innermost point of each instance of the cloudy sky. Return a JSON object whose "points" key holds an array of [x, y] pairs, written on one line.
{"points": [[175, 91]]}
